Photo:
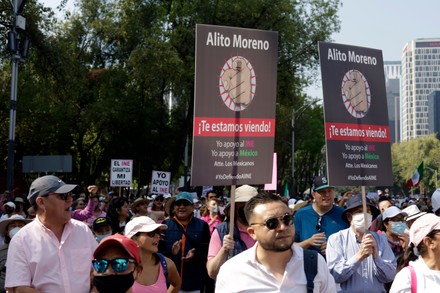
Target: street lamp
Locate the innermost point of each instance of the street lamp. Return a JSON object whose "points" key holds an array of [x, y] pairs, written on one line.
{"points": [[295, 115], [435, 172], [18, 46]]}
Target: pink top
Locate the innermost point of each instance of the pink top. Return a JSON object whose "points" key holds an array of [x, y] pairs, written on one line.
{"points": [[36, 258], [159, 287], [207, 219], [85, 213], [215, 244]]}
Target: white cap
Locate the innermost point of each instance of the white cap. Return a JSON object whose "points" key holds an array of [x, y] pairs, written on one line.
{"points": [[422, 227], [141, 224], [391, 212], [245, 193], [435, 200]]}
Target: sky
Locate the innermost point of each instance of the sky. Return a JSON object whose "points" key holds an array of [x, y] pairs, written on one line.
{"points": [[386, 25]]}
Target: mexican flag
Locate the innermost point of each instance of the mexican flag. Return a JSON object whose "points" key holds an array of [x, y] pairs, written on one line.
{"points": [[286, 191], [416, 177]]}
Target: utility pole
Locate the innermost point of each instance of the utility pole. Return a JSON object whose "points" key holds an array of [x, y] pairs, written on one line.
{"points": [[18, 46]]}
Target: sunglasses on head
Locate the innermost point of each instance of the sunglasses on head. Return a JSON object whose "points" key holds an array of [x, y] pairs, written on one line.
{"points": [[182, 203], [119, 265], [318, 224], [273, 223]]}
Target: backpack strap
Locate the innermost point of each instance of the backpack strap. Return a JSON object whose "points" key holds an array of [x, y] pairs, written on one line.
{"points": [[163, 262], [413, 279], [310, 267]]}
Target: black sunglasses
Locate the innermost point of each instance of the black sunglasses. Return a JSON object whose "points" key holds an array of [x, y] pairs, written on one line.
{"points": [[318, 224], [273, 223], [119, 265], [182, 203], [153, 233], [62, 196]]}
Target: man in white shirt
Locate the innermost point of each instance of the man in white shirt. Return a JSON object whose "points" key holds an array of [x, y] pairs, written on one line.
{"points": [[274, 263], [53, 253]]}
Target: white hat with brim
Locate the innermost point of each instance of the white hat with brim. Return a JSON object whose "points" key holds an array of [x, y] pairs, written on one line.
{"points": [[412, 212], [142, 224], [4, 223], [422, 227]]}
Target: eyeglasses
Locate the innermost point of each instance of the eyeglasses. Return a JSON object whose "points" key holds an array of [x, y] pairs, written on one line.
{"points": [[273, 223], [181, 203], [119, 265], [159, 199], [153, 233], [318, 224]]}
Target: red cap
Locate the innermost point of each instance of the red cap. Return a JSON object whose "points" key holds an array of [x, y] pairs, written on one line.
{"points": [[119, 240]]}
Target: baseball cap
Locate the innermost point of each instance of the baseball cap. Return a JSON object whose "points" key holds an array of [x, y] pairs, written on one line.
{"points": [[4, 223], [122, 241], [141, 224], [320, 182], [391, 212], [435, 200], [356, 201], [100, 222], [184, 196], [19, 199], [244, 193], [48, 184], [10, 204], [412, 212], [422, 227]]}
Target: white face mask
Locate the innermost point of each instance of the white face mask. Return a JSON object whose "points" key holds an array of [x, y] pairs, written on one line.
{"points": [[14, 231], [357, 221], [214, 208]]}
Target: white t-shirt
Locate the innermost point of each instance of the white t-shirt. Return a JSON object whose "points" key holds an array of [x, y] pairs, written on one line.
{"points": [[427, 280]]}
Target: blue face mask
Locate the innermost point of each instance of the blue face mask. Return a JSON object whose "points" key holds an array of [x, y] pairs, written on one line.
{"points": [[100, 237], [398, 227]]}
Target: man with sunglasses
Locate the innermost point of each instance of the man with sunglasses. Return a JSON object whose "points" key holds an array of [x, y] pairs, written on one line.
{"points": [[53, 253], [316, 222], [186, 243], [274, 263]]}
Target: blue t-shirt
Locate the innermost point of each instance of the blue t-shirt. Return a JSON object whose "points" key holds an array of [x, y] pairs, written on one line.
{"points": [[306, 219]]}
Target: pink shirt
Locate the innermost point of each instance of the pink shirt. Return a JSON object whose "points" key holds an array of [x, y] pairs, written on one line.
{"points": [[215, 244], [37, 259], [207, 219], [159, 287]]}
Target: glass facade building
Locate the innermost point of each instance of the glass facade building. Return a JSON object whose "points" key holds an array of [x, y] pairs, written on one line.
{"points": [[420, 77]]}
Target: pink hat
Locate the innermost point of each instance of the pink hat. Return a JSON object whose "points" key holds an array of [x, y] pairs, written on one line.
{"points": [[122, 241], [422, 227]]}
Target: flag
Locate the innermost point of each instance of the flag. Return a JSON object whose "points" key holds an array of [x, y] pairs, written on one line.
{"points": [[286, 191], [416, 177]]}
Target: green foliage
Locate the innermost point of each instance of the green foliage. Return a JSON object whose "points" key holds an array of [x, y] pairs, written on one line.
{"points": [[94, 84]]}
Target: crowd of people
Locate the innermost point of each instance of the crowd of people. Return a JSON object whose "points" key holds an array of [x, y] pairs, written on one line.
{"points": [[70, 240]]}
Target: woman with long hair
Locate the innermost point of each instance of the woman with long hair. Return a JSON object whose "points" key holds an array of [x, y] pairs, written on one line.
{"points": [[419, 269], [157, 210], [157, 270], [119, 214]]}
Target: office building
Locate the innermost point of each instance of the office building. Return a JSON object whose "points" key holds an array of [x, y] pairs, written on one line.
{"points": [[434, 113], [392, 84], [420, 77]]}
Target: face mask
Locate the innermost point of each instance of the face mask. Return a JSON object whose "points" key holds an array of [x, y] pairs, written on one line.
{"points": [[398, 227], [241, 215], [113, 283], [100, 237], [14, 231], [214, 208], [357, 221]]}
